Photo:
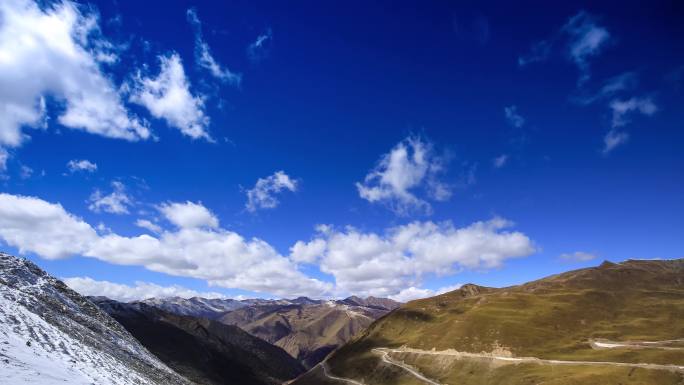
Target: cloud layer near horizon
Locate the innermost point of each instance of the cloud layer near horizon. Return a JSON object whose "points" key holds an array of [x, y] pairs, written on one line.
{"points": [[197, 247]]}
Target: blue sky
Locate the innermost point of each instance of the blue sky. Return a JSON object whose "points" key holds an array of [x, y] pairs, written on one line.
{"points": [[557, 129]]}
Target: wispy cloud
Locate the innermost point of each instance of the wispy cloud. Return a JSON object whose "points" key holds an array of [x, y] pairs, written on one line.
{"points": [[500, 161], [204, 57], [578, 256], [260, 48], [583, 38], [513, 117], [586, 39]]}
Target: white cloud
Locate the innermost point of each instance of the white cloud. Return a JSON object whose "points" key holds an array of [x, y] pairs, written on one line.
{"points": [[220, 257], [125, 293], [259, 49], [384, 264], [53, 51], [76, 165], [168, 97], [409, 166], [189, 215], [204, 57], [411, 293], [117, 202], [307, 252], [262, 195], [578, 256], [513, 117], [34, 225], [500, 161], [622, 109], [586, 39], [148, 225], [613, 139]]}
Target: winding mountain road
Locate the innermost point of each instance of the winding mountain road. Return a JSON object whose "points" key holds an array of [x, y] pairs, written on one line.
{"points": [[664, 345], [384, 355], [341, 379], [386, 351]]}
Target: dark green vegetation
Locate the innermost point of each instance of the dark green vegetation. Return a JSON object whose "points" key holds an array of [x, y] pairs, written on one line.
{"points": [[553, 318], [202, 350]]}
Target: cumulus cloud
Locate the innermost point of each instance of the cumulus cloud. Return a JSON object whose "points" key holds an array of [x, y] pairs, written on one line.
{"points": [[125, 293], [61, 233], [500, 161], [385, 264], [259, 49], [411, 293], [262, 195], [168, 97], [85, 165], [410, 166], [188, 215], [54, 50], [220, 257], [204, 57], [116, 202], [513, 117], [578, 256]]}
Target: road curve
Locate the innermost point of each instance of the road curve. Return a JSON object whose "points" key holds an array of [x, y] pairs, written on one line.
{"points": [[333, 377], [384, 354], [676, 368]]}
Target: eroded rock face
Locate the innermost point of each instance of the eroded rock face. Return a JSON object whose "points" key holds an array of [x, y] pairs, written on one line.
{"points": [[51, 334]]}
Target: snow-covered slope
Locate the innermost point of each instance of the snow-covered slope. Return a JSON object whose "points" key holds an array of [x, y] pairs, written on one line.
{"points": [[49, 334]]}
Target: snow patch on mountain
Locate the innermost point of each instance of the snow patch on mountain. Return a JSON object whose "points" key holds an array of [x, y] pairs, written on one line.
{"points": [[49, 334]]}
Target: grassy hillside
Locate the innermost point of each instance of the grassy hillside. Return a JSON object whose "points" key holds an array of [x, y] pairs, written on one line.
{"points": [[555, 318]]}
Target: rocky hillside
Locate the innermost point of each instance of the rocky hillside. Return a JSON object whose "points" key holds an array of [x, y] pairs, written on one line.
{"points": [[197, 307], [202, 350], [612, 324], [309, 330], [50, 334]]}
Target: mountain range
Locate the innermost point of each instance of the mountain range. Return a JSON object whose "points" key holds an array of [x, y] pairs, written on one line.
{"points": [[308, 329], [617, 323]]}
